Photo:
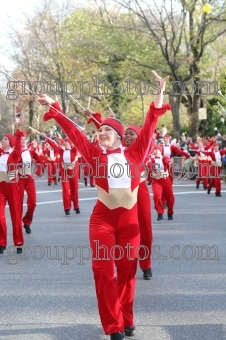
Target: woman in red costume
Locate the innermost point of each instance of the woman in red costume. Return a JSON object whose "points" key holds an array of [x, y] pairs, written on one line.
{"points": [[143, 200], [69, 173], [114, 228], [26, 180], [51, 160], [9, 190], [215, 168], [161, 183], [144, 211], [203, 163]]}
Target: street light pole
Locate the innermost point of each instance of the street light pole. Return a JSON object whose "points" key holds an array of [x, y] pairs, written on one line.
{"points": [[222, 124], [13, 119]]}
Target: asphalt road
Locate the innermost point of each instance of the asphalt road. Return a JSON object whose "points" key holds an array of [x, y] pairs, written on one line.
{"points": [[47, 292]]}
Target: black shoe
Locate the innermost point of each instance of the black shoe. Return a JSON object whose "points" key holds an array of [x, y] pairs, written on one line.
{"points": [[2, 248], [170, 217], [160, 217], [58, 179], [77, 211], [85, 181], [19, 250], [147, 274], [67, 212], [129, 330], [197, 186], [49, 184], [218, 194], [27, 228], [208, 191], [149, 183], [117, 336]]}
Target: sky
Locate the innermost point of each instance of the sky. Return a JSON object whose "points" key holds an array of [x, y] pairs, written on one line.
{"points": [[11, 14]]}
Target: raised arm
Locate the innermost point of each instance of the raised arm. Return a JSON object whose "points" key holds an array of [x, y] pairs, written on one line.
{"points": [[17, 150], [53, 144], [158, 101], [180, 152], [93, 117], [141, 146], [85, 148]]}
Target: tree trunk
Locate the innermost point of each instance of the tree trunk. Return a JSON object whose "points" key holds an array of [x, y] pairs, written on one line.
{"points": [[175, 102], [194, 117], [31, 104], [64, 105]]}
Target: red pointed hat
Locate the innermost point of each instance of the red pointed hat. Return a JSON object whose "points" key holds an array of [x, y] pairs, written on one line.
{"points": [[135, 128], [68, 141], [115, 124], [157, 147], [167, 136], [215, 144], [24, 133], [11, 139]]}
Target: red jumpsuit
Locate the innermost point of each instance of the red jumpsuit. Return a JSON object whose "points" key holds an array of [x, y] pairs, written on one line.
{"points": [[162, 184], [26, 182], [145, 224], [143, 209], [9, 191], [203, 165], [149, 165], [215, 170], [114, 229], [51, 160], [171, 151], [69, 174]]}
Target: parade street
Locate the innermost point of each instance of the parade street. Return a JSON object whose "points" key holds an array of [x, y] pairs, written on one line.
{"points": [[48, 293]]}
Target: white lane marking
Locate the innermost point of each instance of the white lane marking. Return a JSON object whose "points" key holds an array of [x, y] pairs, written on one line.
{"points": [[60, 201], [52, 191], [95, 198]]}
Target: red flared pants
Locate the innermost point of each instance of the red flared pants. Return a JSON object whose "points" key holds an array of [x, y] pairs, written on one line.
{"points": [[145, 224], [27, 183], [9, 191], [114, 239], [160, 187]]}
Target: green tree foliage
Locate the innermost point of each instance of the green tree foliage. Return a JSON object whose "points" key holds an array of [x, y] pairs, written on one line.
{"points": [[106, 54], [182, 30], [6, 116]]}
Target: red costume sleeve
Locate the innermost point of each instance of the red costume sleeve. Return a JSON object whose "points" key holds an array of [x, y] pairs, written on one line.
{"points": [[17, 150], [180, 152], [36, 157], [54, 145], [140, 149], [96, 119], [223, 152], [208, 153], [195, 147], [166, 161], [208, 145], [86, 149]]}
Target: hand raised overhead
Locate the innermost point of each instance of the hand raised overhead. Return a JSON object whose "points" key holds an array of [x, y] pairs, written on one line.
{"points": [[43, 99], [162, 81]]}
